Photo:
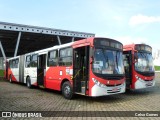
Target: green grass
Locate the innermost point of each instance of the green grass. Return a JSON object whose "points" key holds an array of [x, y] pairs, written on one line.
{"points": [[1, 73], [157, 68]]}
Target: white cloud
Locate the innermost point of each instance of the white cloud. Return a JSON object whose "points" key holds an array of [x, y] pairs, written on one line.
{"points": [[140, 19]]}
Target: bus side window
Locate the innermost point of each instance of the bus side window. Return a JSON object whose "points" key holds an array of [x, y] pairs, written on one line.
{"points": [[13, 64], [28, 61], [16, 63], [10, 63], [53, 58], [65, 57], [33, 63]]}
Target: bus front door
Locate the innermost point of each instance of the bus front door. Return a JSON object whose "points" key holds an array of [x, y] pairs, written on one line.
{"points": [[81, 69], [128, 67], [41, 69]]}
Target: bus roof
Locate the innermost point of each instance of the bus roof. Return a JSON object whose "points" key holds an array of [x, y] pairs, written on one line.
{"points": [[131, 46]]}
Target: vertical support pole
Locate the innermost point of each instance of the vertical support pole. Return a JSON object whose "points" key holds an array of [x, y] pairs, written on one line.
{"points": [[72, 39], [2, 50], [59, 41], [17, 45]]}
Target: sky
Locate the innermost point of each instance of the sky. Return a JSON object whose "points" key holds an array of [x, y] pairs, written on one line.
{"points": [[128, 21]]}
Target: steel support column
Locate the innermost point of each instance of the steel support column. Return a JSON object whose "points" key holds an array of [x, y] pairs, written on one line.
{"points": [[17, 45], [59, 40], [2, 50]]}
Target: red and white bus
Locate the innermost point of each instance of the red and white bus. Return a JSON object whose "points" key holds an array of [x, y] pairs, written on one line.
{"points": [[139, 68], [91, 67]]}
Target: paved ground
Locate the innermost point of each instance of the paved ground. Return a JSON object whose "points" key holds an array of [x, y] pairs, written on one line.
{"points": [[16, 97]]}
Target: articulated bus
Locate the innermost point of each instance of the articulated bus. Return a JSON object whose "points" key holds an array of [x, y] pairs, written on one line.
{"points": [[139, 68], [90, 67]]}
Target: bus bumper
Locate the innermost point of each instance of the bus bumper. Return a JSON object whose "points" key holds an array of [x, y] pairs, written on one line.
{"points": [[103, 91], [139, 84]]}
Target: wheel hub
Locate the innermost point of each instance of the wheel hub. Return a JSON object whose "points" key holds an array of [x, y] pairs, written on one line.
{"points": [[67, 90]]}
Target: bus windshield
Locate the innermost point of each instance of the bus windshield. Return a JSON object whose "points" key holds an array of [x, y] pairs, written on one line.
{"points": [[144, 63], [108, 62]]}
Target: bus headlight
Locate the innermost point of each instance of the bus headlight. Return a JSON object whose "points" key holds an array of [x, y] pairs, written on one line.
{"points": [[140, 79], [98, 83]]}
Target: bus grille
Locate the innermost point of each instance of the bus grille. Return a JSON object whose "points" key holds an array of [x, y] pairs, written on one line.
{"points": [[113, 85]]}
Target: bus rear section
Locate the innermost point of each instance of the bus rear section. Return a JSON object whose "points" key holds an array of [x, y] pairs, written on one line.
{"points": [[139, 68], [12, 69]]}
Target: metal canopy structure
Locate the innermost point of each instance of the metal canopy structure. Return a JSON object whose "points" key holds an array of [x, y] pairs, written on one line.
{"points": [[17, 39]]}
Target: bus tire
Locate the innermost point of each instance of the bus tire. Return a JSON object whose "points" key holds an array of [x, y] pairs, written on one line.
{"points": [[10, 79], [67, 90], [29, 82]]}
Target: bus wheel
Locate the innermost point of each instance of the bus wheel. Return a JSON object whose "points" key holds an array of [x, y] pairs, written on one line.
{"points": [[10, 78], [67, 90], [29, 82]]}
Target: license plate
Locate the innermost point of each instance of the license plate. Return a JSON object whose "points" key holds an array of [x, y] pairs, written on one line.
{"points": [[114, 89], [149, 84]]}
